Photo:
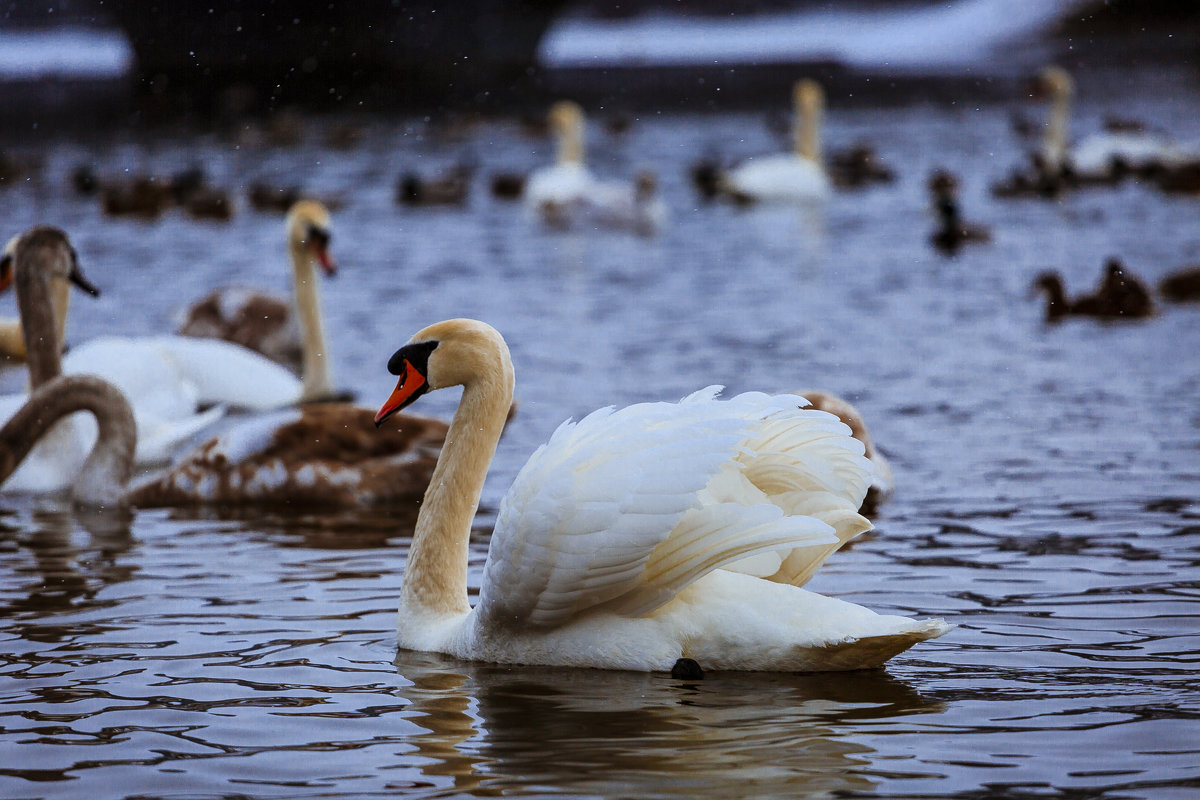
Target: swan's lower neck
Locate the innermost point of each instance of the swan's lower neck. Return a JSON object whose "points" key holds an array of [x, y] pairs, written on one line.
{"points": [[101, 481], [318, 382], [1054, 145], [570, 145], [435, 578], [806, 133]]}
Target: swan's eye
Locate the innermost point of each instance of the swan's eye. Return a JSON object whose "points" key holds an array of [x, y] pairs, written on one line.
{"points": [[318, 237]]}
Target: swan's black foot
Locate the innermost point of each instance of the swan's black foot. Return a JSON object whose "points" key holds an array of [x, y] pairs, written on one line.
{"points": [[688, 670]]}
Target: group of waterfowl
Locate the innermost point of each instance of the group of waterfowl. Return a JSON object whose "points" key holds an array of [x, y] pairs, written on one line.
{"points": [[650, 537], [659, 534]]}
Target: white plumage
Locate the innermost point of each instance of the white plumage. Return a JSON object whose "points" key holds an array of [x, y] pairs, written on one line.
{"points": [[782, 178], [639, 536], [169, 379]]}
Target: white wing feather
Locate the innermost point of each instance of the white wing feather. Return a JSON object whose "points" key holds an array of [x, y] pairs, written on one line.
{"points": [[623, 509]]}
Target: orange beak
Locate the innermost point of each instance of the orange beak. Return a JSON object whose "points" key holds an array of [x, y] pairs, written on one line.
{"points": [[412, 384], [325, 260]]}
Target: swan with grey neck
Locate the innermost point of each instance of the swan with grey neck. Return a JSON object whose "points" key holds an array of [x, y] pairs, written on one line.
{"points": [[101, 479], [637, 537]]}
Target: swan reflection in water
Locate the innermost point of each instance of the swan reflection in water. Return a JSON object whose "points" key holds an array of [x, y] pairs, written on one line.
{"points": [[494, 729], [67, 569]]}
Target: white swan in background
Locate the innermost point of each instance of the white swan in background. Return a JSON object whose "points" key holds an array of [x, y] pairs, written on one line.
{"points": [[1099, 156], [797, 176], [637, 538], [567, 193], [568, 180], [289, 331]]}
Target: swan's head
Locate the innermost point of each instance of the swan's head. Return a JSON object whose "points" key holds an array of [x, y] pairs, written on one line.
{"points": [[1114, 269], [565, 116], [47, 249], [943, 182], [807, 95], [1053, 82], [1050, 282], [309, 230], [456, 352]]}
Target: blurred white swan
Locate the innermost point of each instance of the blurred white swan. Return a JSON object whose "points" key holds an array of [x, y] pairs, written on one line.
{"points": [[567, 193], [797, 176]]}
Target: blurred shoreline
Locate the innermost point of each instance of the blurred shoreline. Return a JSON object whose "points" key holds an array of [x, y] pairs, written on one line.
{"points": [[77, 78]]}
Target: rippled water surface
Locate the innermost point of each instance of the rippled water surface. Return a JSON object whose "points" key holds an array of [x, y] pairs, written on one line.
{"points": [[1048, 497]]}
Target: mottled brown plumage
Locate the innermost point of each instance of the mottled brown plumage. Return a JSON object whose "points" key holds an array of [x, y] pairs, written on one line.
{"points": [[322, 455]]}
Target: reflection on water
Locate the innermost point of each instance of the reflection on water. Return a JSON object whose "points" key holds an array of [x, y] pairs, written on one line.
{"points": [[1047, 484], [492, 729]]}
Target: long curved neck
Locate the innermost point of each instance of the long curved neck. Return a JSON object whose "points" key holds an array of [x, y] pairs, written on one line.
{"points": [[1056, 298], [318, 382], [101, 481], [1054, 143], [570, 142], [806, 130], [435, 578], [39, 306]]}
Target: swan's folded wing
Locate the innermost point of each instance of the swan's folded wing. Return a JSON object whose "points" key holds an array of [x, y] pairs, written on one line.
{"points": [[228, 373], [617, 511]]}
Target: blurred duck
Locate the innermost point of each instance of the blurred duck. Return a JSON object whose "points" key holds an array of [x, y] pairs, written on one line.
{"points": [[279, 199], [951, 232], [148, 196], [451, 189], [797, 176], [882, 484], [1182, 286], [858, 167], [507, 185], [319, 456], [288, 331], [567, 194], [1120, 295]]}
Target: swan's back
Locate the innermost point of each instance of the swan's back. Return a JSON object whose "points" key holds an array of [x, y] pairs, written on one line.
{"points": [[779, 178], [624, 509]]}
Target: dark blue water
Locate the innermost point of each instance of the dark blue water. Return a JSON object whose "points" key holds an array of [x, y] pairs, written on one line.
{"points": [[1048, 497]]}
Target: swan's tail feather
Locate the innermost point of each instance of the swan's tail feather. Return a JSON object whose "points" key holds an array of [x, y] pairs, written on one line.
{"points": [[868, 652]]}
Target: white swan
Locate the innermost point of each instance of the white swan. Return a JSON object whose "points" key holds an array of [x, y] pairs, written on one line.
{"points": [[291, 332], [1099, 156], [639, 537], [797, 176], [567, 193]]}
